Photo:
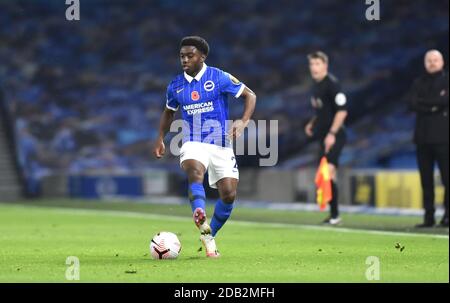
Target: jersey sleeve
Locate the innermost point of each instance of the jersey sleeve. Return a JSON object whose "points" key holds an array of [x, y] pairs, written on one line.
{"points": [[230, 85], [172, 102], [338, 96]]}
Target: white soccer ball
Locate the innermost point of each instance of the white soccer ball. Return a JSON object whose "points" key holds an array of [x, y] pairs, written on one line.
{"points": [[165, 245]]}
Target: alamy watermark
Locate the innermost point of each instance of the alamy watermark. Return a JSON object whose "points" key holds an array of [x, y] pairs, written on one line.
{"points": [[73, 269], [373, 270], [261, 139], [73, 10], [373, 11]]}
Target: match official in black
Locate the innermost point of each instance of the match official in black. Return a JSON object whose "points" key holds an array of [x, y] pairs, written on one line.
{"points": [[327, 126], [429, 99]]}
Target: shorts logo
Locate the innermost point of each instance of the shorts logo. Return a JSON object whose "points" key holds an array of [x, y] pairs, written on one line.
{"points": [[209, 86], [195, 96]]}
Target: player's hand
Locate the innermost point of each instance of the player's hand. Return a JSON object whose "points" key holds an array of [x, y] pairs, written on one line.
{"points": [[330, 140], [237, 129], [309, 129], [159, 149]]}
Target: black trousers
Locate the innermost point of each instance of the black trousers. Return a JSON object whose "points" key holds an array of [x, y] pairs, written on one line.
{"points": [[333, 158], [427, 156]]}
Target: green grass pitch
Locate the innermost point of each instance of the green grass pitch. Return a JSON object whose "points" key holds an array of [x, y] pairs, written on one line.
{"points": [[111, 241]]}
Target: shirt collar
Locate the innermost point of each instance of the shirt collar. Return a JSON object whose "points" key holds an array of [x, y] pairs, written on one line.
{"points": [[198, 76]]}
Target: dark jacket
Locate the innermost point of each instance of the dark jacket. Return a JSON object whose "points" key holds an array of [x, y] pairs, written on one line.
{"points": [[429, 99]]}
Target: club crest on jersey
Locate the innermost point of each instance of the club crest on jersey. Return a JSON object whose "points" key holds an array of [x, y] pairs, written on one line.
{"points": [[195, 96], [209, 86]]}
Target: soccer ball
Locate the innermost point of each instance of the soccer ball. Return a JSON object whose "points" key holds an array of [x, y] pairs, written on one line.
{"points": [[165, 245]]}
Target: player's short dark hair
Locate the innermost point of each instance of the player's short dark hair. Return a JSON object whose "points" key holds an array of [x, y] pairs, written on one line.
{"points": [[318, 55], [196, 41]]}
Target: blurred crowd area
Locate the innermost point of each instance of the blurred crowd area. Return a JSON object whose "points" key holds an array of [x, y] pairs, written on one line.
{"points": [[87, 95]]}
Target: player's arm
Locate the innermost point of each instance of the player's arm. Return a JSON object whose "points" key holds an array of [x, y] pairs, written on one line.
{"points": [[249, 108], [164, 123], [340, 105], [433, 104], [439, 102], [309, 126], [416, 102], [231, 85], [166, 120], [338, 122]]}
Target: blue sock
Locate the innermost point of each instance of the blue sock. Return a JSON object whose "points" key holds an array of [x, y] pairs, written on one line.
{"points": [[197, 196], [222, 212]]}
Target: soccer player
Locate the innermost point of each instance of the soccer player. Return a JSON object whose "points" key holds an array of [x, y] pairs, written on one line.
{"points": [[202, 94], [327, 125]]}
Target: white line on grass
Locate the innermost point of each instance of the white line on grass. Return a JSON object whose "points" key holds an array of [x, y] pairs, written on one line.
{"points": [[129, 214]]}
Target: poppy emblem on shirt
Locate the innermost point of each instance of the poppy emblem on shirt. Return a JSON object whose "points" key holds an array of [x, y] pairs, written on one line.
{"points": [[195, 96]]}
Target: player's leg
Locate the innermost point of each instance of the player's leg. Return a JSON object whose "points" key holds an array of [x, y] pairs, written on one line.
{"points": [[222, 211], [334, 205], [194, 161], [224, 206], [333, 162], [442, 156], [223, 175], [425, 161], [195, 172]]}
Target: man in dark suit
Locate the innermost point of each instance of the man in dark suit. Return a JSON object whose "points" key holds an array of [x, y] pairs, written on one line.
{"points": [[429, 99]]}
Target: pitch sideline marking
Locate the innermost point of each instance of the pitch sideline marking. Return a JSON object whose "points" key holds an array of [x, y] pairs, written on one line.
{"points": [[129, 214]]}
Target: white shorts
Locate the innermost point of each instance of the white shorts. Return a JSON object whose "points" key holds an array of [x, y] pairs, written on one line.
{"points": [[220, 162]]}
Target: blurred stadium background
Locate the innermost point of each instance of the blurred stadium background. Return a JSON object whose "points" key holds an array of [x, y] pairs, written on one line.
{"points": [[81, 100]]}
